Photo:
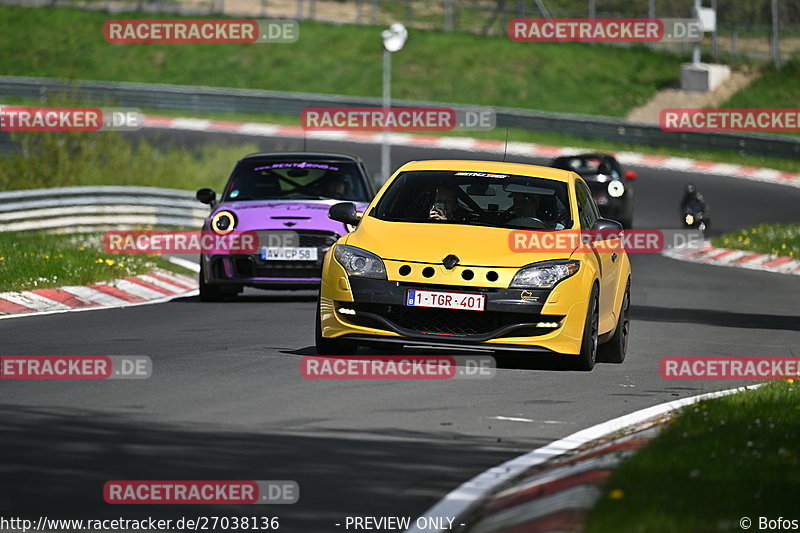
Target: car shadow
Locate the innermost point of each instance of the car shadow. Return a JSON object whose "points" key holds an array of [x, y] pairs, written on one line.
{"points": [[55, 462], [502, 360], [712, 317], [272, 297]]}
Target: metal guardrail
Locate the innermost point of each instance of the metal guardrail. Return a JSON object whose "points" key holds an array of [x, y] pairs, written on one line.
{"points": [[85, 209], [195, 99]]}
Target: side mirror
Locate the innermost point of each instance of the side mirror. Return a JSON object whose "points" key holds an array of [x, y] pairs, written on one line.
{"points": [[630, 174], [344, 212], [606, 224], [206, 196]]}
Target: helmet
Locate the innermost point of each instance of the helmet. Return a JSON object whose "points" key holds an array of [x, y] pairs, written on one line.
{"points": [[690, 189]]}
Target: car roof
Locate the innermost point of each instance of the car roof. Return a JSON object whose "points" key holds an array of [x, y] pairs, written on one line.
{"points": [[587, 155], [310, 156], [518, 169]]}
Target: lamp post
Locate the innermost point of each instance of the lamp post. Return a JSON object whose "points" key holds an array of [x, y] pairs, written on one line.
{"points": [[393, 40]]}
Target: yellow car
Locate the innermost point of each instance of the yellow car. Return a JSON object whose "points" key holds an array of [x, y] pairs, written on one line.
{"points": [[434, 261]]}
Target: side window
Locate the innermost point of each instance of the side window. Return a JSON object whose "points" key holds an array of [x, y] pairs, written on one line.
{"points": [[587, 210]]}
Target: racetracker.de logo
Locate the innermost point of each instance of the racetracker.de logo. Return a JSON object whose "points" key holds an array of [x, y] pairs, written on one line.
{"points": [[617, 30], [75, 367], [398, 367], [602, 241], [721, 368], [179, 242], [201, 492], [730, 120], [69, 119], [378, 119], [121, 31]]}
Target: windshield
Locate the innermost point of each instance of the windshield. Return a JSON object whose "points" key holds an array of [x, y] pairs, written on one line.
{"points": [[296, 180], [476, 199], [587, 165]]}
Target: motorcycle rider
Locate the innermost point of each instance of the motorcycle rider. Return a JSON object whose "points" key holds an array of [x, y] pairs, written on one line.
{"points": [[693, 203]]}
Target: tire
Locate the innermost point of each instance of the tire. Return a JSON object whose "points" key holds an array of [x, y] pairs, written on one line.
{"points": [[616, 348], [330, 346], [588, 355], [213, 293]]}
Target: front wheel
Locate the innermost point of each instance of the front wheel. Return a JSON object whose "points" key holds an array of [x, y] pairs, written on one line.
{"points": [[214, 293], [588, 355], [616, 348]]}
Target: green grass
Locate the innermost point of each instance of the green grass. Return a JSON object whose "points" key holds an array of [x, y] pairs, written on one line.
{"points": [[39, 261], [778, 239], [57, 159], [719, 461], [345, 59], [774, 89]]}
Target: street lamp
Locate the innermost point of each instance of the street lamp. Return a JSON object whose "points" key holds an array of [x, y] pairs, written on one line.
{"points": [[393, 40]]}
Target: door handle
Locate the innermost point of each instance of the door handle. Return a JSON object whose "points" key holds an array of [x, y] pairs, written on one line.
{"points": [[613, 257]]}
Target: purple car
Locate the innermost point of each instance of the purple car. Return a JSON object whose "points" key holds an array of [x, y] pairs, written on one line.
{"points": [[284, 198]]}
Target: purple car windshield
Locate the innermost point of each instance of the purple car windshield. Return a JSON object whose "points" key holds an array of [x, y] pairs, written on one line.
{"points": [[296, 180]]}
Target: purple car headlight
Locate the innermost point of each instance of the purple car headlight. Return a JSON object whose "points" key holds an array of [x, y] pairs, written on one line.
{"points": [[223, 222]]}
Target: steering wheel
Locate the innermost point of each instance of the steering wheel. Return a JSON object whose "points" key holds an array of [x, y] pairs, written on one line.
{"points": [[529, 222]]}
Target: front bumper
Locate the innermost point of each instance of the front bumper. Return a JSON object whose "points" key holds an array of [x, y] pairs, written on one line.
{"points": [[252, 271], [370, 311]]}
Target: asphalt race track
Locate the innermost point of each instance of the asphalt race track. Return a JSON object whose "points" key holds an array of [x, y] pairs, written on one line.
{"points": [[226, 399]]}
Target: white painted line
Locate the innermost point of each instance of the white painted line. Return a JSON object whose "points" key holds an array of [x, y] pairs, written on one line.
{"points": [[531, 420], [34, 301], [756, 263], [180, 261], [577, 498], [93, 295], [252, 128], [513, 419], [163, 299], [456, 143], [159, 283], [464, 498], [679, 164], [190, 124], [135, 289]]}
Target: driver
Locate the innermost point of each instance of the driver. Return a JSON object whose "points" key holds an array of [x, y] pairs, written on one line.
{"points": [[524, 205], [527, 206], [335, 188]]}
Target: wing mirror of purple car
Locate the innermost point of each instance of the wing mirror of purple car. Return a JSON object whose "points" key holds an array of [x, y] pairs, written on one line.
{"points": [[344, 212], [207, 196]]}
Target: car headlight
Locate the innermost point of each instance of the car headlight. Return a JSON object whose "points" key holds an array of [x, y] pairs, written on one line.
{"points": [[689, 219], [544, 275], [616, 189], [223, 222], [359, 263]]}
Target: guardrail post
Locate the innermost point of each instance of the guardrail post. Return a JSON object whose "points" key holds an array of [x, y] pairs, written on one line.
{"points": [[775, 47]]}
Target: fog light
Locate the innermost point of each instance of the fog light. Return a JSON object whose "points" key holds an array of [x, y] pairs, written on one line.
{"points": [[347, 311]]}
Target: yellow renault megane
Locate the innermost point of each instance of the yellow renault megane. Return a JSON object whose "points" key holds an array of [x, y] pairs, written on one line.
{"points": [[432, 262]]}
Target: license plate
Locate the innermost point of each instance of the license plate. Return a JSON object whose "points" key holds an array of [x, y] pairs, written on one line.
{"points": [[446, 300], [289, 253]]}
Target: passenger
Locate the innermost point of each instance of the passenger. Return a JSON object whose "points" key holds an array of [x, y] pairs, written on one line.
{"points": [[445, 206]]}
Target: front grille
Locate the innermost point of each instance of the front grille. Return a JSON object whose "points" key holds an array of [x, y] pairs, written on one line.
{"points": [[451, 322], [304, 238], [288, 269], [252, 266]]}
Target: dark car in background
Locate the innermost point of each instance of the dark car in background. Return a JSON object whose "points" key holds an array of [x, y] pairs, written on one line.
{"points": [[284, 198], [611, 187]]}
